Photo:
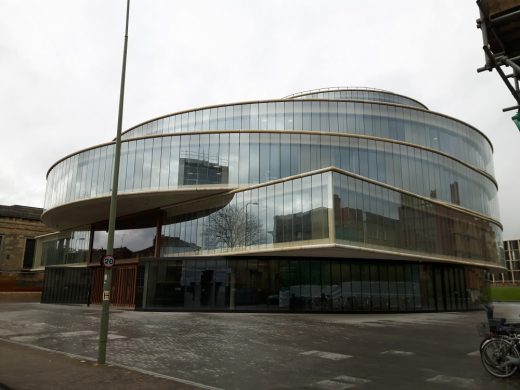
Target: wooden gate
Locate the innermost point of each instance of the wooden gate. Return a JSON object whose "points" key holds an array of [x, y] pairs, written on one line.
{"points": [[123, 285]]}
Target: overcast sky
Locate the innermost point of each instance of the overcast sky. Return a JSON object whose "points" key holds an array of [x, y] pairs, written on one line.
{"points": [[60, 66]]}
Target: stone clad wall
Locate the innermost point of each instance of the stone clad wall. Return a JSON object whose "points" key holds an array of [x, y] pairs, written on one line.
{"points": [[14, 231]]}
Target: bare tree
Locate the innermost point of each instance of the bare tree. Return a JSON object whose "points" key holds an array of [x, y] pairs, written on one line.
{"points": [[232, 227]]}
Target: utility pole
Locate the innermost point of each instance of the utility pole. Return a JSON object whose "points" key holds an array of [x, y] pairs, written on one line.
{"points": [[107, 277]]}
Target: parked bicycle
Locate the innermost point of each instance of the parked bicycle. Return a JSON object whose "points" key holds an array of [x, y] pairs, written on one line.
{"points": [[500, 348]]}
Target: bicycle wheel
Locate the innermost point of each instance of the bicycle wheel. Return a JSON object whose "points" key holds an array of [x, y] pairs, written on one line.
{"points": [[482, 343], [496, 354]]}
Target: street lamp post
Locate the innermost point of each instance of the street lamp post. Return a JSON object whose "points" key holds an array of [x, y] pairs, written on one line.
{"points": [[107, 277]]}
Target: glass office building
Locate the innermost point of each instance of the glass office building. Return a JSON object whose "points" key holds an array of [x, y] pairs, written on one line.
{"points": [[338, 199]]}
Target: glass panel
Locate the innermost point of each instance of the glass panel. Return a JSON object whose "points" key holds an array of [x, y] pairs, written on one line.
{"points": [[156, 163], [254, 158], [298, 109], [234, 147], [262, 116], [271, 116], [280, 119], [347, 297], [254, 124], [306, 116], [274, 157], [288, 115], [69, 247], [244, 157], [130, 167], [264, 157], [295, 154]]}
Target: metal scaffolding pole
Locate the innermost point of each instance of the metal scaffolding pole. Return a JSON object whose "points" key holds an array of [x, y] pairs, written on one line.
{"points": [[500, 25]]}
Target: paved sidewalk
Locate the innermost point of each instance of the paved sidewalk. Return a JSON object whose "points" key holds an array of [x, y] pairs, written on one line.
{"points": [[430, 351], [24, 367]]}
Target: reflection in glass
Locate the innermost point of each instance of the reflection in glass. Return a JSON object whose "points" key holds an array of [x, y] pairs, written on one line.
{"points": [[389, 219], [213, 159], [64, 248], [128, 243]]}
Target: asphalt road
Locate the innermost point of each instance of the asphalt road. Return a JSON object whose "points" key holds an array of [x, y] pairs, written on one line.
{"points": [[269, 351]]}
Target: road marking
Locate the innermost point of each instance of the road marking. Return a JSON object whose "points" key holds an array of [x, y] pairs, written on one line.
{"points": [[24, 339], [112, 336], [351, 379], [326, 355], [332, 385], [474, 353], [400, 353], [76, 333], [35, 337], [453, 381], [341, 382]]}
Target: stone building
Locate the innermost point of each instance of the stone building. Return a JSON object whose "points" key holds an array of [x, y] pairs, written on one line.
{"points": [[512, 258], [19, 225]]}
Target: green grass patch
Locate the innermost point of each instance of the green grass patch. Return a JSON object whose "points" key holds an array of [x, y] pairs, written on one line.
{"points": [[504, 294]]}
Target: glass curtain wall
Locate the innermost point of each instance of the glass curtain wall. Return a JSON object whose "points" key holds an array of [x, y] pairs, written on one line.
{"points": [[379, 217], [365, 215], [288, 212], [367, 95], [232, 158], [276, 284], [72, 247], [128, 243], [399, 123], [68, 247]]}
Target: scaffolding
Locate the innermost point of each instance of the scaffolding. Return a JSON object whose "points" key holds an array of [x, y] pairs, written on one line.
{"points": [[500, 25]]}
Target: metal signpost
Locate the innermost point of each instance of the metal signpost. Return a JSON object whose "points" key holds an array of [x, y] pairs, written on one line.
{"points": [[108, 260]]}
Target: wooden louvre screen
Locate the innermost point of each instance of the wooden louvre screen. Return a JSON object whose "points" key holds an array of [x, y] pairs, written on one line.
{"points": [[123, 285]]}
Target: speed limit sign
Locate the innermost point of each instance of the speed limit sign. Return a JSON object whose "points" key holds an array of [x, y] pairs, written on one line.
{"points": [[108, 261]]}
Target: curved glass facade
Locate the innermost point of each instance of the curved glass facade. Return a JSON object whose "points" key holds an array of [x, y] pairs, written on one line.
{"points": [[310, 284], [358, 94], [171, 162], [399, 203], [406, 124], [330, 207]]}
